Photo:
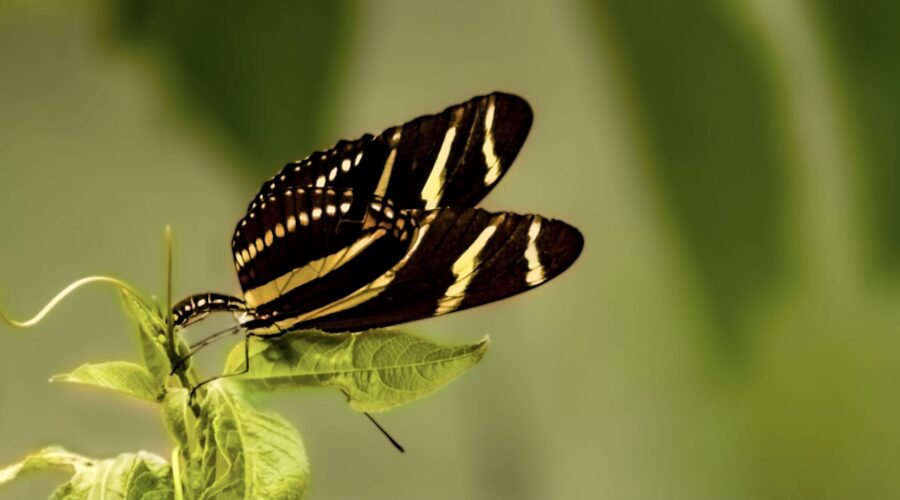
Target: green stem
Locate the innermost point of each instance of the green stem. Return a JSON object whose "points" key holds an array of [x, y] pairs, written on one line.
{"points": [[171, 345], [176, 473]]}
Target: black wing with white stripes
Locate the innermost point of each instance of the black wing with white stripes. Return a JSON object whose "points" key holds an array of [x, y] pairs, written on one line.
{"points": [[449, 159], [459, 258], [383, 230]]}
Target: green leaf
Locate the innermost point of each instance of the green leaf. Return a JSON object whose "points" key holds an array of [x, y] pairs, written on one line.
{"points": [[141, 476], [181, 424], [52, 457], [258, 454], [120, 376], [178, 418], [378, 369], [151, 331]]}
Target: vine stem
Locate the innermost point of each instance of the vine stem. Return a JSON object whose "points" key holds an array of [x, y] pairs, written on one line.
{"points": [[66, 292], [171, 349], [176, 473], [170, 324]]}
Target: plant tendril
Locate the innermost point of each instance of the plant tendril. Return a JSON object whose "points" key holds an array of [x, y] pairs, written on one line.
{"points": [[121, 285]]}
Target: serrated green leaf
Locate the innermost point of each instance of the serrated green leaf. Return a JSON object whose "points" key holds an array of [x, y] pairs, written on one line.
{"points": [[378, 369], [259, 454], [53, 457], [120, 376], [151, 332], [141, 476]]}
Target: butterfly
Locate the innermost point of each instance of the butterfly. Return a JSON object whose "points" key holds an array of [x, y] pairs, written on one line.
{"points": [[384, 229]]}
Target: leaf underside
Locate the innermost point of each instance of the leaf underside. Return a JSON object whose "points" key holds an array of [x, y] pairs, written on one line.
{"points": [[378, 369]]}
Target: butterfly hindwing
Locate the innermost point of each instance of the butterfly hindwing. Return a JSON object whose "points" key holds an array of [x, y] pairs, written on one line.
{"points": [[460, 258], [452, 158]]}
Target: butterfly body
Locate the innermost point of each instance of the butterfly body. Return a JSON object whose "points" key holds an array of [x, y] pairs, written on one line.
{"points": [[384, 230]]}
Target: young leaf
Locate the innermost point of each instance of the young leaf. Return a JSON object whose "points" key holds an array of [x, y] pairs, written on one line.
{"points": [[259, 454], [378, 369], [129, 476], [52, 457], [182, 426], [120, 376], [177, 417], [151, 331]]}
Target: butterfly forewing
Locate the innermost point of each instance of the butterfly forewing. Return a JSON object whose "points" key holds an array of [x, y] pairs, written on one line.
{"points": [[304, 254], [291, 228], [453, 158]]}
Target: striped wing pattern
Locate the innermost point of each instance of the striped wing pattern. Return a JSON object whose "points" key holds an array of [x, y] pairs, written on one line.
{"points": [[460, 258], [452, 158], [296, 251], [383, 230]]}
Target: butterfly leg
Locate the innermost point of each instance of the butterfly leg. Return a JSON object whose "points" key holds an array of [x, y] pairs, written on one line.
{"points": [[246, 367], [196, 347]]}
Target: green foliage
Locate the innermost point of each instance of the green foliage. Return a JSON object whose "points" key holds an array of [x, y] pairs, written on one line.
{"points": [[122, 376], [259, 74], [52, 457], [151, 333], [377, 369], [258, 453], [132, 476], [225, 447]]}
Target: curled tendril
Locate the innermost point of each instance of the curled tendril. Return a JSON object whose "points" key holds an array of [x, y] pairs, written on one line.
{"points": [[121, 285]]}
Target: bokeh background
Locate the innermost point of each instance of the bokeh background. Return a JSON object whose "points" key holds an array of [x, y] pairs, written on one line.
{"points": [[730, 332]]}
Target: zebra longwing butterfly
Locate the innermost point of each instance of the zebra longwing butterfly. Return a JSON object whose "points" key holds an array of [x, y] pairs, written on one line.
{"points": [[384, 230]]}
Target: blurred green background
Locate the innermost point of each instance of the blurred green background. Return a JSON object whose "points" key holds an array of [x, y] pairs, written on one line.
{"points": [[730, 332]]}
